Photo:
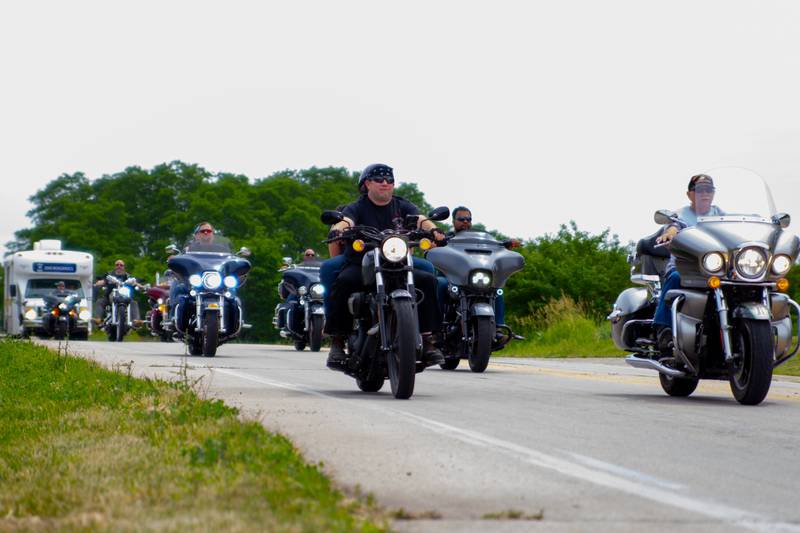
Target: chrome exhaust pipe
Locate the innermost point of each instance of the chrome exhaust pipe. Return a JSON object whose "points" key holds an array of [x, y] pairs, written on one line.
{"points": [[641, 362]]}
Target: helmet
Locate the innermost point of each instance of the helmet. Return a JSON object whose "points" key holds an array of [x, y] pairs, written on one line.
{"points": [[373, 171]]}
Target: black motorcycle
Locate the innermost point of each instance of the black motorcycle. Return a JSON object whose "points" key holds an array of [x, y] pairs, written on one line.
{"points": [[118, 320], [386, 341], [60, 317], [301, 316], [477, 267], [211, 313], [729, 319]]}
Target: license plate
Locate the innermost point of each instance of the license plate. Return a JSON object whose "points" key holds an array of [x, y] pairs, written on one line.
{"points": [[213, 306]]}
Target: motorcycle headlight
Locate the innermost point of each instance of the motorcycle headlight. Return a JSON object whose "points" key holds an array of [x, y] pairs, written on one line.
{"points": [[63, 307], [302, 290], [231, 281], [481, 279], [84, 314], [781, 264], [30, 314], [195, 280], [751, 263], [212, 280], [317, 290], [394, 249], [713, 262], [124, 291]]}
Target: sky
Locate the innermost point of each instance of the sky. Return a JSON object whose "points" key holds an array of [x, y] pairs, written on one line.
{"points": [[531, 113]]}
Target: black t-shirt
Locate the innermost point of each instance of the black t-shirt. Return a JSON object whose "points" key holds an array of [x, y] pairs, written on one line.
{"points": [[390, 216]]}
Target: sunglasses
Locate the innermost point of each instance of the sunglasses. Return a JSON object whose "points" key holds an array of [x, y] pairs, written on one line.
{"points": [[704, 189], [119, 264], [464, 219], [387, 179], [309, 255], [206, 231]]}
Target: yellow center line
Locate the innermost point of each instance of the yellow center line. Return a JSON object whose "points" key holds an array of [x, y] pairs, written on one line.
{"points": [[706, 385]]}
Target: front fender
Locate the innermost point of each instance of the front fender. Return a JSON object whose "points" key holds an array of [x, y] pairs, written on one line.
{"points": [[751, 310], [482, 309], [398, 294], [317, 309]]}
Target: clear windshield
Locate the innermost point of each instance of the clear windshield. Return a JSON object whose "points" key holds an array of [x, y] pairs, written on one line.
{"points": [[733, 191], [39, 288], [209, 243]]}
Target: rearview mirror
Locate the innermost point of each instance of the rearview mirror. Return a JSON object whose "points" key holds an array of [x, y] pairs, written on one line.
{"points": [[664, 216], [243, 252], [172, 250], [331, 217], [781, 219], [287, 261], [440, 213]]}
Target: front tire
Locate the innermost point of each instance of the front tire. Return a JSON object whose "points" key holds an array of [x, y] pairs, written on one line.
{"points": [[751, 375], [402, 359], [483, 335], [210, 333], [122, 323], [678, 387], [315, 334]]}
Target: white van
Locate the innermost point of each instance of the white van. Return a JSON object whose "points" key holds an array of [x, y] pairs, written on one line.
{"points": [[32, 275]]}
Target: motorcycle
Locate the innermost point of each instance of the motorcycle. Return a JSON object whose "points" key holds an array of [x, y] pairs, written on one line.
{"points": [[386, 341], [730, 319], [61, 315], [119, 318], [300, 316], [211, 313], [476, 267], [157, 316]]}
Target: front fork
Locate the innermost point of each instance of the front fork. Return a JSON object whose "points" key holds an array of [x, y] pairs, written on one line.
{"points": [[724, 326]]}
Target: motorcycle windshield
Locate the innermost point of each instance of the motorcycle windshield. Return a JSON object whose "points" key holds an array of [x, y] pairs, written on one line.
{"points": [[212, 244], [733, 192]]}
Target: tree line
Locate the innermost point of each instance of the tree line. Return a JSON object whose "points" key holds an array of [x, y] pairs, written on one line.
{"points": [[134, 214]]}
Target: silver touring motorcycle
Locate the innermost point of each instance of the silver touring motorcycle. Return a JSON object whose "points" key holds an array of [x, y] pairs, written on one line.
{"points": [[730, 319]]}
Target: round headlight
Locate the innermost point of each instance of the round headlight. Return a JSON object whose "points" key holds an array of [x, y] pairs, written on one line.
{"points": [[212, 280], [481, 279], [781, 264], [63, 307], [231, 281], [30, 314], [124, 291], [394, 249], [713, 262], [751, 263], [302, 290], [85, 314], [317, 290], [195, 280]]}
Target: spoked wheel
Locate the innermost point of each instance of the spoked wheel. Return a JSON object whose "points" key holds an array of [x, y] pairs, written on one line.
{"points": [[122, 323], [751, 374], [679, 387], [315, 334], [483, 335], [402, 359], [450, 363], [210, 333]]}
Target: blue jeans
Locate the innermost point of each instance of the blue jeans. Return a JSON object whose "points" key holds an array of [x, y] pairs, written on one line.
{"points": [[499, 301], [662, 316]]}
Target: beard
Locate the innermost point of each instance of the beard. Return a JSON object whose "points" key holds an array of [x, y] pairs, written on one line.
{"points": [[381, 197]]}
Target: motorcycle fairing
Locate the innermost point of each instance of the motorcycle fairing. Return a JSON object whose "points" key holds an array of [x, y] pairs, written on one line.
{"points": [[475, 250]]}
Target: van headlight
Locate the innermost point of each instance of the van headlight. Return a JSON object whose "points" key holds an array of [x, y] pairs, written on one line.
{"points": [[781, 264], [713, 262], [394, 249], [212, 280], [317, 290], [30, 314], [84, 314], [481, 279], [751, 263], [231, 281]]}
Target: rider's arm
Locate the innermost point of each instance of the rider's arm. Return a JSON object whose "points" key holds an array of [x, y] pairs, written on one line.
{"points": [[668, 234], [425, 224], [337, 247]]}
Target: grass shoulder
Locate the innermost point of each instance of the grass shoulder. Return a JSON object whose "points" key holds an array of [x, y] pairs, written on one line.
{"points": [[83, 448]]}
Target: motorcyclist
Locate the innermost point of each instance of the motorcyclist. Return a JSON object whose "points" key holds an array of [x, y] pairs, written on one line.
{"points": [[700, 192], [120, 273], [203, 240], [378, 207]]}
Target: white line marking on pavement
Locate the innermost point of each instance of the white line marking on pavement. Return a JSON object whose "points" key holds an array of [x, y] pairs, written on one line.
{"points": [[639, 488], [626, 472]]}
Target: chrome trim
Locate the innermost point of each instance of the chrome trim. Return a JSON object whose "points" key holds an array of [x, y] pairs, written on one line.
{"points": [[797, 346], [725, 328], [675, 344], [650, 364], [743, 248]]}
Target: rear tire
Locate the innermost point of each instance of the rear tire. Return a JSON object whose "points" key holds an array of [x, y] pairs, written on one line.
{"points": [[450, 364], [315, 334], [678, 387], [481, 344], [210, 333], [122, 323], [402, 359], [751, 376]]}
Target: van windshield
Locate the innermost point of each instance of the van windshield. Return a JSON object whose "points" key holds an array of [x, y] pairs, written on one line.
{"points": [[39, 288]]}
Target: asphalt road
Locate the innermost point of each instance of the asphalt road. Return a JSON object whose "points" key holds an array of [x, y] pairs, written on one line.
{"points": [[571, 445]]}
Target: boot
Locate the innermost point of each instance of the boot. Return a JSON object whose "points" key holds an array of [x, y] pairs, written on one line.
{"points": [[336, 355], [431, 355]]}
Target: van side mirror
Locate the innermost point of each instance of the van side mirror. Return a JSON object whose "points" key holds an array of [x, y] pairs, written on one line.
{"points": [[781, 219], [12, 290], [244, 252], [440, 213], [331, 217], [172, 250], [665, 216]]}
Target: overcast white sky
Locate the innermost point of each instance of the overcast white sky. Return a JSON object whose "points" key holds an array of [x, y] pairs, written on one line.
{"points": [[531, 113]]}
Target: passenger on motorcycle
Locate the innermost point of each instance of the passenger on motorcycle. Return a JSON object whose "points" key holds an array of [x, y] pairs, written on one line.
{"points": [[701, 195], [378, 207]]}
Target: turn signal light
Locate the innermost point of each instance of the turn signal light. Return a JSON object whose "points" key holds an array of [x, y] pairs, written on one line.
{"points": [[782, 284], [714, 282], [425, 244], [358, 245]]}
